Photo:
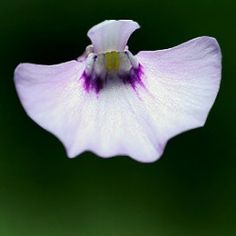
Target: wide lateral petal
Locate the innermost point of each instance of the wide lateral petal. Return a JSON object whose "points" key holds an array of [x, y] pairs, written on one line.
{"points": [[106, 124], [51, 96], [181, 83]]}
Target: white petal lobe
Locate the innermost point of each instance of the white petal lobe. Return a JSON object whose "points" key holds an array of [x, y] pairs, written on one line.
{"points": [[182, 84], [111, 35]]}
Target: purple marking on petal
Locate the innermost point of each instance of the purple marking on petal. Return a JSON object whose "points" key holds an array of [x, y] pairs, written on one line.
{"points": [[86, 80], [92, 83], [98, 84], [134, 77]]}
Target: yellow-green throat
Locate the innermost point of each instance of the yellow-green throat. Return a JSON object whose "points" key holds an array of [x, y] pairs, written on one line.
{"points": [[112, 61]]}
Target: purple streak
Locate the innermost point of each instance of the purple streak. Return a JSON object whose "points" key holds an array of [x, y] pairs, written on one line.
{"points": [[96, 84]]}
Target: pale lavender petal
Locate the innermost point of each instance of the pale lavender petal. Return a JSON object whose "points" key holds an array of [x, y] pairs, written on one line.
{"points": [[181, 84], [111, 35], [106, 124], [51, 96]]}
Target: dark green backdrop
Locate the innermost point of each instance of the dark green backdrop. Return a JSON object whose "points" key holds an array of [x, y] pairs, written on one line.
{"points": [[190, 191]]}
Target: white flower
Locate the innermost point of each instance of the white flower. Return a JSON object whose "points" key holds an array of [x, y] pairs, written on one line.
{"points": [[111, 102]]}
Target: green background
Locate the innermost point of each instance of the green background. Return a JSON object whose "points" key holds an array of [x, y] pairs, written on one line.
{"points": [[190, 191]]}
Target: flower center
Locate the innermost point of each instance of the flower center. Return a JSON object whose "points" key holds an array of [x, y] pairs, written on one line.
{"points": [[112, 61], [104, 67]]}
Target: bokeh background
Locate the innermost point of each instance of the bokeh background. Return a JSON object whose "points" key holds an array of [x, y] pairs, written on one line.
{"points": [[190, 191]]}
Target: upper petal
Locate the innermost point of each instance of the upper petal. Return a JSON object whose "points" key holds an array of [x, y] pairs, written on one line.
{"points": [[182, 84], [111, 35]]}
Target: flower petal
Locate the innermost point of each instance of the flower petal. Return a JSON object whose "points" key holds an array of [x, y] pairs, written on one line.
{"points": [[54, 97], [182, 84], [50, 95], [111, 35]]}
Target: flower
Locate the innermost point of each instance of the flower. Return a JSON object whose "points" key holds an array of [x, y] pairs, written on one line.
{"points": [[112, 102]]}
